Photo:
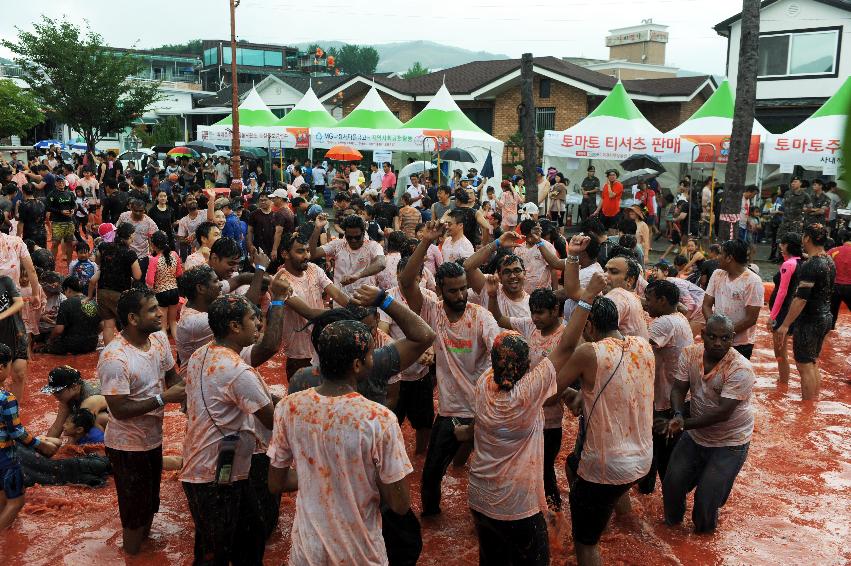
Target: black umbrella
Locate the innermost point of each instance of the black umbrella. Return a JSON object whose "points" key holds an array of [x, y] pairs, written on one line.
{"points": [[203, 146], [487, 168], [642, 161], [457, 154]]}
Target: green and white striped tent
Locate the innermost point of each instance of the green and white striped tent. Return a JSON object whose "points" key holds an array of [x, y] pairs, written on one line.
{"points": [[308, 113], [372, 114], [252, 112]]}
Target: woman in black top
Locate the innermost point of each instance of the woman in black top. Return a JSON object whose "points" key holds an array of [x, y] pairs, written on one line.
{"points": [[790, 248], [118, 270], [164, 216]]}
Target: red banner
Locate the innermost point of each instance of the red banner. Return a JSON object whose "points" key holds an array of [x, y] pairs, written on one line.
{"points": [[722, 148], [301, 135], [444, 138]]}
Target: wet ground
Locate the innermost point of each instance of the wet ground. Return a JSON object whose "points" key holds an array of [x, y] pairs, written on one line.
{"points": [[790, 504]]}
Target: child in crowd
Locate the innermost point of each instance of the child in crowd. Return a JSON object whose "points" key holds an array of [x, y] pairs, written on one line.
{"points": [[29, 315], [83, 268], [12, 432], [51, 283], [79, 428]]}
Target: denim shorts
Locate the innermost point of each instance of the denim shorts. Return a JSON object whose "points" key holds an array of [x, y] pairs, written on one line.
{"points": [[13, 481]]}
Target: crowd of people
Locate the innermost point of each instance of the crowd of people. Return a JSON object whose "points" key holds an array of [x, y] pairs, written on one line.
{"points": [[187, 279]]}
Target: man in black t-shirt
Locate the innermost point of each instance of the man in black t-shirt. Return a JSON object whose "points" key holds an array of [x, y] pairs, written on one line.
{"points": [[115, 202], [709, 265], [265, 227], [60, 207], [386, 211], [31, 216], [77, 323]]}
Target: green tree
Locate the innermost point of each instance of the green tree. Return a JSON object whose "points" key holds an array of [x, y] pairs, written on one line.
{"points": [[163, 133], [79, 80], [18, 110], [193, 47], [416, 70], [357, 59]]}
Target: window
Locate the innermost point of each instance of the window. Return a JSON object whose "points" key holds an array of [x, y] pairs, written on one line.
{"points": [[211, 56], [273, 59], [798, 53], [250, 57], [544, 88], [545, 119], [280, 112]]}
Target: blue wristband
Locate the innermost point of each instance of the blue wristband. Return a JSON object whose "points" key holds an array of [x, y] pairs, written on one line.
{"points": [[496, 242], [584, 305], [259, 267], [540, 244], [388, 300], [277, 303]]}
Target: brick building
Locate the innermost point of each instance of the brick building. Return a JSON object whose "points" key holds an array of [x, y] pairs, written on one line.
{"points": [[564, 93]]}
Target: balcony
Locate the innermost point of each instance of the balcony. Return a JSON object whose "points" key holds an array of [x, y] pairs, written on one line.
{"points": [[177, 82]]}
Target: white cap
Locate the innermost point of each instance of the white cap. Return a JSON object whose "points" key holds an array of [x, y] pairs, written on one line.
{"points": [[280, 193], [527, 210]]}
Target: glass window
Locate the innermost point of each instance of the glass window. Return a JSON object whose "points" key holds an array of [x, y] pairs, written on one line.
{"points": [[273, 58], [545, 119], [544, 88], [798, 54], [251, 57], [211, 56], [813, 53], [773, 55], [226, 56]]}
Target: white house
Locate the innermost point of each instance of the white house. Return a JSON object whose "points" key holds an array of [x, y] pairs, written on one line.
{"points": [[804, 57]]}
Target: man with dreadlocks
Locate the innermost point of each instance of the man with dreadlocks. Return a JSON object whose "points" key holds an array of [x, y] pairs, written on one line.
{"points": [[506, 490], [465, 334], [348, 450]]}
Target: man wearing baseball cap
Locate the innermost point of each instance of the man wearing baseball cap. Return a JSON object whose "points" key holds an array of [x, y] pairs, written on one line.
{"points": [[72, 392], [60, 214]]}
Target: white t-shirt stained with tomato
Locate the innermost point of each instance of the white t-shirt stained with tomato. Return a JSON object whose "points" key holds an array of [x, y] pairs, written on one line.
{"points": [[540, 347], [733, 296], [342, 447], [351, 262], [309, 287], [124, 369]]}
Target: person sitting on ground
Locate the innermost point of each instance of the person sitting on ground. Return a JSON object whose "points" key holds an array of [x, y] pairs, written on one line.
{"points": [[80, 428], [78, 323], [72, 392], [51, 282]]}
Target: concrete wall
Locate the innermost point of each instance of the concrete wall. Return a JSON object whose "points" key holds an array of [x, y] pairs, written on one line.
{"points": [[776, 17], [654, 50]]}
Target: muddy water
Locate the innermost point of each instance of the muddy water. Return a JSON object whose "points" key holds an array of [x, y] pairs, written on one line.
{"points": [[790, 505]]}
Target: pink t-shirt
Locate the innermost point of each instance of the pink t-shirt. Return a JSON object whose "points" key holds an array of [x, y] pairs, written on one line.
{"points": [[187, 225], [462, 353], [732, 378], [619, 442], [732, 297], [540, 347], [631, 316], [12, 249], [434, 258], [232, 392], [309, 287], [538, 272], [124, 369], [351, 262], [462, 249], [416, 370], [144, 228], [507, 306], [342, 446], [669, 334], [508, 202], [506, 482]]}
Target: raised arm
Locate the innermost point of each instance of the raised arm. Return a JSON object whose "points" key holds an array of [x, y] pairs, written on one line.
{"points": [[408, 277], [475, 277], [575, 246], [316, 251], [261, 262], [566, 346], [492, 282], [273, 332], [418, 335], [552, 260]]}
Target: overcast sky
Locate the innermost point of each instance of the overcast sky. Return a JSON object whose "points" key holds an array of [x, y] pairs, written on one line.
{"points": [[544, 27]]}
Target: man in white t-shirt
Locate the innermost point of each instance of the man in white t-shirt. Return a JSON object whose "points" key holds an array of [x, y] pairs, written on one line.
{"points": [[354, 178], [736, 292], [375, 177], [465, 334], [357, 260], [539, 258], [138, 377], [456, 246], [416, 191]]}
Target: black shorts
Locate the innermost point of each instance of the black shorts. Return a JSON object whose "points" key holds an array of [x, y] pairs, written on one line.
{"points": [[416, 402], [610, 221], [676, 237], [744, 349], [137, 484], [168, 298], [591, 507], [808, 337]]}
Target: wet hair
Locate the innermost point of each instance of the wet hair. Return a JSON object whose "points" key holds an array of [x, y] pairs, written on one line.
{"points": [[604, 315], [628, 241], [288, 240], [527, 225], [593, 248], [593, 226], [843, 236], [138, 180], [130, 302], [396, 241], [84, 419], [793, 243], [203, 230], [161, 241], [542, 299], [508, 259], [339, 344], [457, 215], [124, 231], [737, 249], [28, 188], [403, 262], [817, 233], [664, 289], [187, 284], [444, 189], [447, 270], [5, 355], [72, 282], [353, 221], [226, 309], [406, 199], [715, 248], [82, 247], [680, 260], [136, 202], [226, 248], [719, 318], [509, 359]]}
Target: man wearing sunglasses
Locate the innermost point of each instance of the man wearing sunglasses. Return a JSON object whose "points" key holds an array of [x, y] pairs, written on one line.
{"points": [[357, 260]]}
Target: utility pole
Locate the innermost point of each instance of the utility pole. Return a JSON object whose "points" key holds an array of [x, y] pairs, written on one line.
{"points": [[527, 127], [234, 148]]}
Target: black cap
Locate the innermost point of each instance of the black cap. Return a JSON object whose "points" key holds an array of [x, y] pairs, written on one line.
{"points": [[795, 178], [61, 378]]}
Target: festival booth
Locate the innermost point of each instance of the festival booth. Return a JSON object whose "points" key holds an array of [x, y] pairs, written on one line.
{"points": [[257, 126], [370, 126], [816, 143], [307, 113]]}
